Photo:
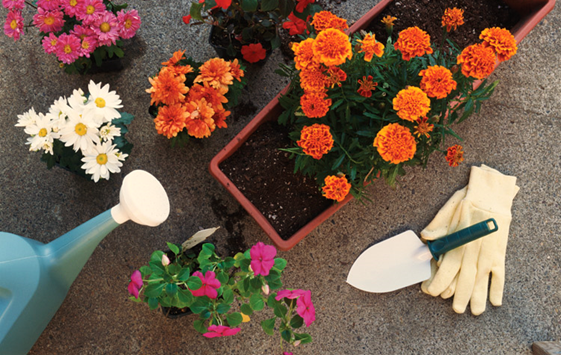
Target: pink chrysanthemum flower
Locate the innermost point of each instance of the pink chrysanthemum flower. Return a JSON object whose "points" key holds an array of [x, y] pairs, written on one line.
{"points": [[129, 23], [48, 4], [72, 7], [50, 43], [88, 39], [106, 27], [13, 27], [13, 4], [68, 47], [48, 21], [89, 10], [82, 31]]}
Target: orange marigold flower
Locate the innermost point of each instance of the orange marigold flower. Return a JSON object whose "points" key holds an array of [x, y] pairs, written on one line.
{"points": [[312, 78], [219, 117], [366, 86], [411, 103], [324, 19], [304, 53], [501, 40], [332, 47], [413, 42], [315, 140], [388, 21], [315, 104], [336, 188], [200, 123], [335, 76], [167, 88], [477, 61], [395, 143], [455, 155], [452, 18], [236, 71], [370, 46], [171, 120], [423, 127], [437, 81], [210, 94], [254, 52], [216, 72], [177, 56]]}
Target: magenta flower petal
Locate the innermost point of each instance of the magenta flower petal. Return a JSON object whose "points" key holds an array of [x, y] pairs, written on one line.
{"points": [[290, 294], [136, 278], [262, 258], [305, 308], [220, 331], [231, 331], [209, 285], [133, 290]]}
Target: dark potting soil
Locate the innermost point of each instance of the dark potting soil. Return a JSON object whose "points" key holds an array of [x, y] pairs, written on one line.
{"points": [[265, 175], [427, 15]]}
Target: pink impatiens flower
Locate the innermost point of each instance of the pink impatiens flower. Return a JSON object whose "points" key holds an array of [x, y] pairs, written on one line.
{"points": [[262, 258], [50, 43], [67, 49], [89, 10], [13, 4], [13, 27], [106, 27], [286, 353], [305, 308], [136, 283], [209, 287], [129, 23], [48, 4], [216, 331], [290, 294], [48, 21]]}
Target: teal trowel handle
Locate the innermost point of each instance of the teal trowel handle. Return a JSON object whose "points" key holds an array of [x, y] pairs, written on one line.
{"points": [[461, 237]]}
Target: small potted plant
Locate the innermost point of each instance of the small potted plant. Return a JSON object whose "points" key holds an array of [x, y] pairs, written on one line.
{"points": [[249, 29], [191, 99], [84, 133], [80, 33], [224, 292]]}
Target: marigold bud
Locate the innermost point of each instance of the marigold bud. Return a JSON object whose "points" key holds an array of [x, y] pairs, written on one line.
{"points": [[454, 68]]}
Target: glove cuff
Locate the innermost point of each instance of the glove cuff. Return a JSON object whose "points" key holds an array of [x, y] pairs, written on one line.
{"points": [[490, 190]]}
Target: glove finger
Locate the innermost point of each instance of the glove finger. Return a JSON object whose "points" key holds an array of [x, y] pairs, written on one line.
{"points": [[478, 301], [497, 285], [449, 292], [447, 270], [425, 284], [440, 225], [466, 277]]}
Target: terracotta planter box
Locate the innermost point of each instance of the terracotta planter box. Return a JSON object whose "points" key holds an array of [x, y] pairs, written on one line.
{"points": [[532, 11]]}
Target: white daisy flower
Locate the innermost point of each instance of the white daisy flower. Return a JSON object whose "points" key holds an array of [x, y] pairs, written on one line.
{"points": [[101, 160], [80, 133], [48, 147], [41, 132], [121, 156], [102, 104], [108, 132], [27, 119], [59, 108], [77, 101]]}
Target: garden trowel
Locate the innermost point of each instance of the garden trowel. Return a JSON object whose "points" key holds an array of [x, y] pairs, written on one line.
{"points": [[404, 260], [35, 277]]}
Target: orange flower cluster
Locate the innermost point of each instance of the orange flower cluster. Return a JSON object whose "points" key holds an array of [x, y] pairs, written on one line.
{"points": [[198, 109], [423, 127], [452, 19], [369, 46], [304, 54], [413, 42], [336, 188], [315, 140], [324, 19], [366, 86], [411, 103], [477, 61], [388, 21], [501, 40], [315, 104], [437, 81], [455, 155], [332, 47], [395, 143]]}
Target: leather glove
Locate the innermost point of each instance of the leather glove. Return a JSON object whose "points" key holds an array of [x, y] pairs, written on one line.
{"points": [[464, 272]]}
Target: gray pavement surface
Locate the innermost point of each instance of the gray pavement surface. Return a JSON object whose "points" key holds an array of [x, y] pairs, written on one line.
{"points": [[517, 132]]}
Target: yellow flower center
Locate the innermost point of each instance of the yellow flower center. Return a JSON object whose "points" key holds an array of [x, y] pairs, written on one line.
{"points": [[100, 102], [101, 159], [86, 45], [43, 132], [105, 27], [90, 9], [81, 129], [53, 42], [13, 24], [49, 20], [67, 49], [128, 23], [73, 2]]}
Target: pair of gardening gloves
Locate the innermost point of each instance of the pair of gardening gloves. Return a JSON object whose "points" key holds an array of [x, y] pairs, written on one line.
{"points": [[464, 272]]}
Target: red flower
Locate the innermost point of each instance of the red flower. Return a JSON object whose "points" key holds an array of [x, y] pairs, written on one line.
{"points": [[301, 6], [455, 155], [220, 331], [224, 4], [295, 25], [187, 19], [262, 258], [253, 52], [209, 287]]}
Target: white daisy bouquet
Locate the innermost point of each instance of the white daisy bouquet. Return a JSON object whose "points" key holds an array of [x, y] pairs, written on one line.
{"points": [[82, 133]]}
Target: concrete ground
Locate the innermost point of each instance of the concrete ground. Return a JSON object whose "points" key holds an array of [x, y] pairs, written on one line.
{"points": [[517, 132]]}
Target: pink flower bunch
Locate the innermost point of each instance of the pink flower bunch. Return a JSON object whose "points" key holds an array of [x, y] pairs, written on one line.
{"points": [[262, 258], [304, 306], [96, 26], [216, 331], [136, 283]]}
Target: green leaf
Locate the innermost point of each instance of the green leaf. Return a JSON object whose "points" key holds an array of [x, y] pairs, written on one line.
{"points": [[228, 296], [208, 249], [222, 277], [183, 275], [296, 321], [268, 5], [119, 52], [171, 289], [173, 248], [234, 319], [280, 310], [154, 290], [268, 325], [256, 302], [286, 335], [338, 162], [286, 7], [244, 265], [145, 270], [271, 301], [200, 305], [275, 43], [194, 283], [222, 308], [185, 297], [153, 303], [280, 263], [304, 338], [249, 5], [195, 11], [256, 283], [246, 309], [199, 326]]}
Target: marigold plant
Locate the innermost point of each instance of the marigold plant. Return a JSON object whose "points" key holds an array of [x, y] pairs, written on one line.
{"points": [[191, 99], [395, 105]]}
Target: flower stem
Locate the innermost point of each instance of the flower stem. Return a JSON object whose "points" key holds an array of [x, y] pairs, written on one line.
{"points": [[30, 4]]}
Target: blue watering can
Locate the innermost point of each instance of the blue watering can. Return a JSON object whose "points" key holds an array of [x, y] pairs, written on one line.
{"points": [[35, 277]]}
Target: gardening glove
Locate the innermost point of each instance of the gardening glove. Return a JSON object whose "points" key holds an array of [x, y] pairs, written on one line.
{"points": [[464, 272]]}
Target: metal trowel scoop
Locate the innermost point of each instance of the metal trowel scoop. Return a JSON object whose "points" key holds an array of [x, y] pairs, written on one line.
{"points": [[404, 260]]}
